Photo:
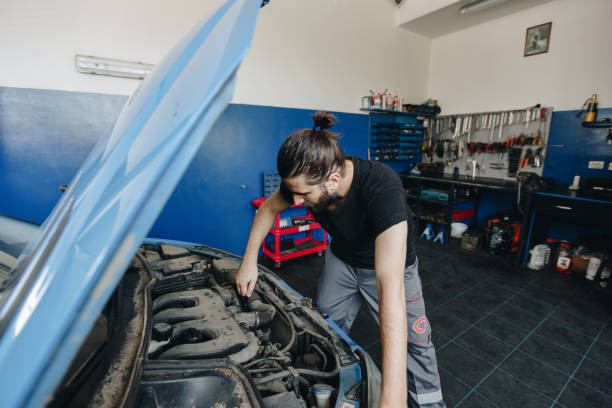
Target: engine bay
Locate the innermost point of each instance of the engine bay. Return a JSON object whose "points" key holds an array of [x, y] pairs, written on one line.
{"points": [[204, 335]]}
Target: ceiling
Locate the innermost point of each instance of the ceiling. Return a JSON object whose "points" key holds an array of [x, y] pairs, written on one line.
{"points": [[435, 22]]}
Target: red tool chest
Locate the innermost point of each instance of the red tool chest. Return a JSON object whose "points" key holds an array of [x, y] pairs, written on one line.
{"points": [[302, 246]]}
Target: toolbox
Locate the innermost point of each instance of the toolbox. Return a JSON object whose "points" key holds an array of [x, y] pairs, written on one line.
{"points": [[435, 194]]}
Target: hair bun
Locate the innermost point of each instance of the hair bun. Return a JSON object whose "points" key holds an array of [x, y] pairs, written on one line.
{"points": [[323, 120]]}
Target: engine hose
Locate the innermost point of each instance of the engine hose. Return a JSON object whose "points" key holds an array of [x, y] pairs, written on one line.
{"points": [[318, 374], [261, 360], [326, 341], [272, 377], [321, 353], [287, 319]]}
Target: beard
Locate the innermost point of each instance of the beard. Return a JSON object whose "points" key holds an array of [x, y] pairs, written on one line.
{"points": [[325, 200]]}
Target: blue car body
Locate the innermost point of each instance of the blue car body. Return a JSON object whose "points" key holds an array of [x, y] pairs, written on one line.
{"points": [[67, 274]]}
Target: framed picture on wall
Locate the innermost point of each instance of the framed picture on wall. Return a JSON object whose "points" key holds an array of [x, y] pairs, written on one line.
{"points": [[537, 39]]}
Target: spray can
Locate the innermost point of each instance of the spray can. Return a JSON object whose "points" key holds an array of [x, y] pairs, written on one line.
{"points": [[591, 109]]}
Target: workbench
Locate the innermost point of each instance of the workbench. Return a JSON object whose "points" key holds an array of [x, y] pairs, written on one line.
{"points": [[415, 184]]}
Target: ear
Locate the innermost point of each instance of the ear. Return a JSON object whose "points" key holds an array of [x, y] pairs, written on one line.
{"points": [[333, 181]]}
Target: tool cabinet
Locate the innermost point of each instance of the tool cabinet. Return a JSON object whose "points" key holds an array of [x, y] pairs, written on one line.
{"points": [[396, 137]]}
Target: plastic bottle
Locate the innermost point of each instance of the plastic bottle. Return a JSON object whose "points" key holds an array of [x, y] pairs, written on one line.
{"points": [[593, 267], [563, 258]]}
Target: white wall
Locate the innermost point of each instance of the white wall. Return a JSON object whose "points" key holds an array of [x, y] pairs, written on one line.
{"points": [[306, 54], [483, 68]]}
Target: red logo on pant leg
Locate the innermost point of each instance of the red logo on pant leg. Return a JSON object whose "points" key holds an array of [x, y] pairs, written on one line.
{"points": [[420, 325]]}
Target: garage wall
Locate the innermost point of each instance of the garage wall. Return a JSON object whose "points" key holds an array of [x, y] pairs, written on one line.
{"points": [[45, 135], [317, 54], [483, 68]]}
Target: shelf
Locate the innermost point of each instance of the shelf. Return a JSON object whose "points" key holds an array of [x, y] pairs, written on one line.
{"points": [[305, 246], [373, 110], [433, 201], [600, 124]]}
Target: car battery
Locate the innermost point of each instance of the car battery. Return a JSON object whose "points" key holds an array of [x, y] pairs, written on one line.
{"points": [[472, 240]]}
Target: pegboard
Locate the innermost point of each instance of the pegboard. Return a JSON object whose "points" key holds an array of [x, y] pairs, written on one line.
{"points": [[492, 129]]}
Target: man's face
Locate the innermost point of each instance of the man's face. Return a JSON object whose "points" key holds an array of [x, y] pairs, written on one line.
{"points": [[317, 197]]}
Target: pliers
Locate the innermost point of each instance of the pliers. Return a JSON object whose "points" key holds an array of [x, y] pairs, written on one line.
{"points": [[527, 159]]}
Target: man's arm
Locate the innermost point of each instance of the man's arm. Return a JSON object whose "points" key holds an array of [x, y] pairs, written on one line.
{"points": [[390, 259], [247, 272]]}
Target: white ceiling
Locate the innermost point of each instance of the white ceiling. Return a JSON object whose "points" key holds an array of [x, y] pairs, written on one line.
{"points": [[435, 18]]}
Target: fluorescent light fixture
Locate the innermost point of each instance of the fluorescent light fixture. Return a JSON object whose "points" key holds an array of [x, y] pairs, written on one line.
{"points": [[112, 67], [479, 5]]}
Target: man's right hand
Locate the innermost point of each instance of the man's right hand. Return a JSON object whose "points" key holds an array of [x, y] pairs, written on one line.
{"points": [[246, 277]]}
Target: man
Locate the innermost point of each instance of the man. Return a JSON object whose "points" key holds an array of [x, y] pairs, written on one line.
{"points": [[362, 205]]}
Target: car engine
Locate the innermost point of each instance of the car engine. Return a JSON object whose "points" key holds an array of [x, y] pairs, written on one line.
{"points": [[209, 346]]}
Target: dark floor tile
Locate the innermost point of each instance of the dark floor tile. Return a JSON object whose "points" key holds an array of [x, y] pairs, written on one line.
{"points": [[518, 316], [508, 279], [433, 295], [556, 282], [499, 292], [534, 374], [462, 364], [596, 376], [601, 353], [537, 292], [508, 392], [467, 308], [490, 348], [438, 339], [452, 390], [576, 322], [593, 305], [606, 335], [551, 353], [563, 336], [446, 324], [451, 287], [577, 395], [531, 304], [508, 333], [477, 401]]}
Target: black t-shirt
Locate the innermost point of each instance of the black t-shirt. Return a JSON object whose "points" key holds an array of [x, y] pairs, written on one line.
{"points": [[375, 202]]}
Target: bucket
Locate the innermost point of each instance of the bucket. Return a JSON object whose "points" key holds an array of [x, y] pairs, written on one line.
{"points": [[323, 394], [457, 229], [538, 255]]}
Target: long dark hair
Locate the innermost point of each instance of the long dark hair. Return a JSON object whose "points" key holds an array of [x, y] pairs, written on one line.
{"points": [[313, 152]]}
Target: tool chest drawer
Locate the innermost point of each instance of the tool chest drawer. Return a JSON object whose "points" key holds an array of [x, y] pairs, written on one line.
{"points": [[572, 209]]}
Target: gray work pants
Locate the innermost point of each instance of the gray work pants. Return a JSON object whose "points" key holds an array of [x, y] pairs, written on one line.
{"points": [[341, 288]]}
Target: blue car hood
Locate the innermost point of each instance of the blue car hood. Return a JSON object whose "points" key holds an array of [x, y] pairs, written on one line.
{"points": [[66, 276]]}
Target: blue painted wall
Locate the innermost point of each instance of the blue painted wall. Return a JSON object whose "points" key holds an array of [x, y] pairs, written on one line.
{"points": [[46, 135], [581, 146]]}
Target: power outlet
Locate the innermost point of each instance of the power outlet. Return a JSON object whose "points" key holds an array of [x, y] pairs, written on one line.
{"points": [[597, 165]]}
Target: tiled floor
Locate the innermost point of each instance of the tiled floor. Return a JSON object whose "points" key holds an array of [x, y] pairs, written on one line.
{"points": [[503, 338]]}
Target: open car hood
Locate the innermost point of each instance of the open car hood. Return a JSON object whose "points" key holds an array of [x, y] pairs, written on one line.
{"points": [[65, 277]]}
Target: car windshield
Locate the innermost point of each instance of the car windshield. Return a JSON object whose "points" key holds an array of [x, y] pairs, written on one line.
{"points": [[14, 236]]}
